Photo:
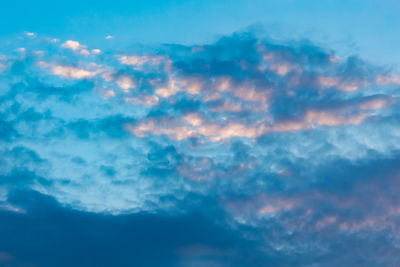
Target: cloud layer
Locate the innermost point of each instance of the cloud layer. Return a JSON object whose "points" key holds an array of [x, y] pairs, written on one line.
{"points": [[286, 152]]}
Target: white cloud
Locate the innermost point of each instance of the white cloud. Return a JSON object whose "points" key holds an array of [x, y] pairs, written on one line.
{"points": [[74, 45]]}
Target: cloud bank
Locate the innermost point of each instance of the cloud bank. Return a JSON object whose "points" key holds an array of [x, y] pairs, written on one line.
{"points": [[248, 151]]}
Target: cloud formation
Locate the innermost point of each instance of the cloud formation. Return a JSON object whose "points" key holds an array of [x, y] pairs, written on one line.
{"points": [[286, 152]]}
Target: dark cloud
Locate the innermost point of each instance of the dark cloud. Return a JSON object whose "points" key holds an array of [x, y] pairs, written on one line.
{"points": [[48, 234]]}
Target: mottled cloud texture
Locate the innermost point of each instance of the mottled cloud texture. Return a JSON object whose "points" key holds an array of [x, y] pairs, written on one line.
{"points": [[243, 152]]}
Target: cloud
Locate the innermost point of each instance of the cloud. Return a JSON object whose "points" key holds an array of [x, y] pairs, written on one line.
{"points": [[125, 82], [77, 47], [71, 237], [139, 61], [285, 152], [388, 79], [96, 51], [68, 71], [30, 34], [74, 45]]}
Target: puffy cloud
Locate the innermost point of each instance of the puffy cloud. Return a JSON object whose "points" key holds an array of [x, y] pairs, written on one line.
{"points": [[125, 82], [74, 45], [77, 47]]}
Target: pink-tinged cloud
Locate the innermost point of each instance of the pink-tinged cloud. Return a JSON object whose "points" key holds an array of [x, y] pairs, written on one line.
{"points": [[138, 61], [331, 119], [391, 79], [69, 72], [146, 100], [125, 83]]}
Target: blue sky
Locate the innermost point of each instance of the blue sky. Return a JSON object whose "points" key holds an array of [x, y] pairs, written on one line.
{"points": [[199, 133], [367, 27]]}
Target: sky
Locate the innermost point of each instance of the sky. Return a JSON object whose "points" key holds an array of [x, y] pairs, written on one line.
{"points": [[368, 27], [199, 133]]}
